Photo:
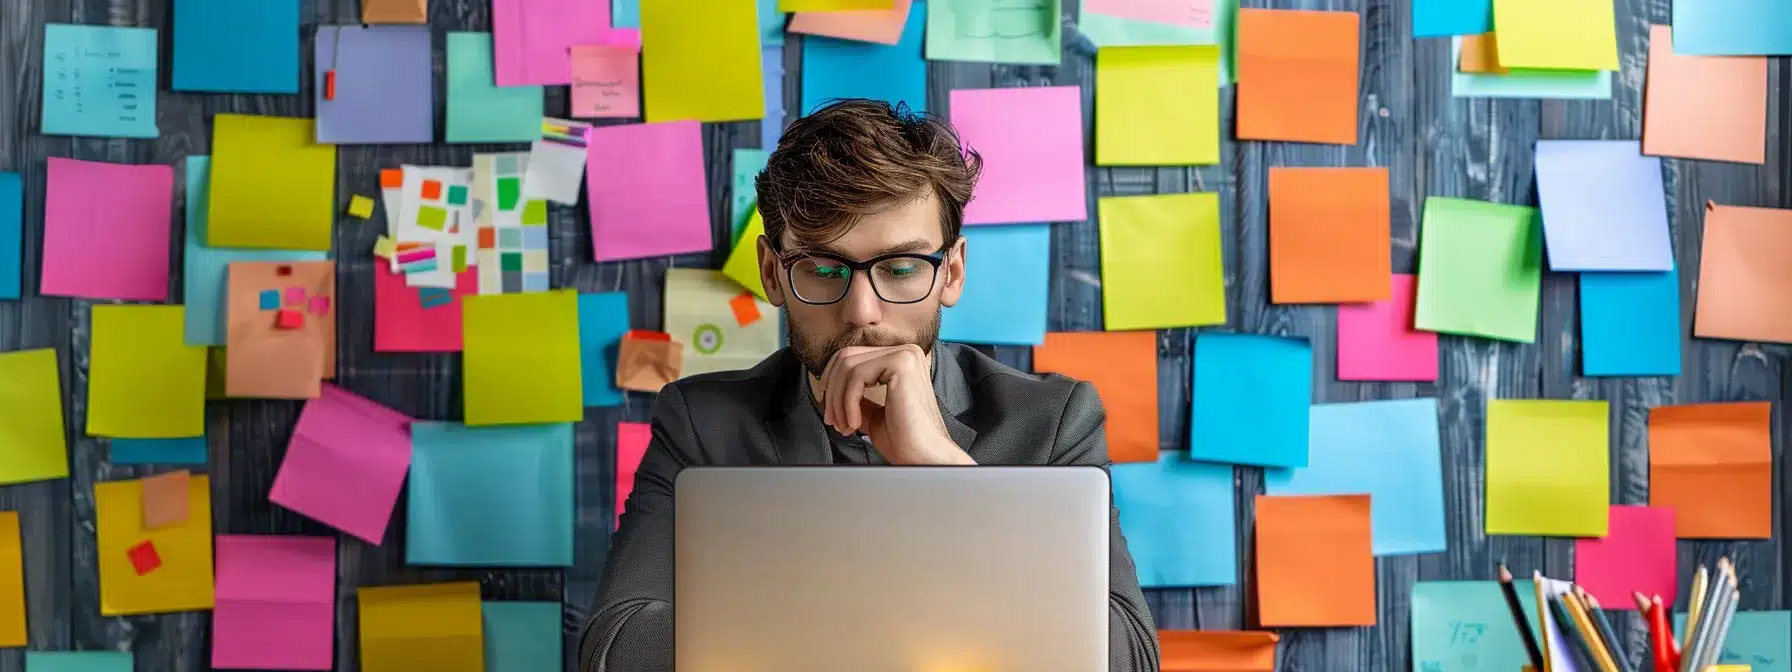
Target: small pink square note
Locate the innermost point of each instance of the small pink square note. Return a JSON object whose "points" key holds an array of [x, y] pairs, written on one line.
{"points": [[1376, 341]]}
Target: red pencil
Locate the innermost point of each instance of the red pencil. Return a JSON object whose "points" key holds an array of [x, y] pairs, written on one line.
{"points": [[1667, 659]]}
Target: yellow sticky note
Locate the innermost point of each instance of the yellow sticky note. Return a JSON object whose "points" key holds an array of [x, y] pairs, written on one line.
{"points": [[144, 381], [12, 581], [1556, 34], [31, 425], [832, 5], [1157, 106], [385, 247], [1548, 470], [1160, 261], [702, 57], [434, 627], [521, 361], [360, 206], [176, 575], [272, 186], [743, 263]]}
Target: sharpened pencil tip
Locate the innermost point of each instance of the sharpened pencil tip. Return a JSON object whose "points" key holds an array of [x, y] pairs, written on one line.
{"points": [[1505, 574]]}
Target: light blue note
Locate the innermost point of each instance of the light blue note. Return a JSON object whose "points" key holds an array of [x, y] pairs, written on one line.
{"points": [[190, 450], [522, 636], [99, 81], [1177, 517], [232, 46], [895, 73], [478, 109], [1007, 271], [1465, 626], [745, 191], [1251, 395], [1443, 18], [1112, 31], [1528, 83], [1758, 639], [1630, 324], [625, 13], [1388, 449], [12, 230], [206, 270], [771, 69], [490, 496], [1733, 28], [1604, 206], [78, 661], [603, 319]]}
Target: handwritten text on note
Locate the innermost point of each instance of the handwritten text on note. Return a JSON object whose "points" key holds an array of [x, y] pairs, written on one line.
{"points": [[99, 81], [606, 82]]}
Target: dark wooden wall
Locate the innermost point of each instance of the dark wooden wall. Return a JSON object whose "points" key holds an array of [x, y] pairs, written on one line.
{"points": [[1433, 145]]}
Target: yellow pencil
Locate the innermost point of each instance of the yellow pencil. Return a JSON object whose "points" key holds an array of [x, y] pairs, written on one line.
{"points": [[1692, 608], [1585, 624], [1543, 618]]}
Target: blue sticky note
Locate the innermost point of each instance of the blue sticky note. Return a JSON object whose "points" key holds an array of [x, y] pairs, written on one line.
{"points": [[190, 450], [1443, 18], [12, 228], [1541, 84], [490, 496], [232, 46], [1758, 639], [1177, 517], [1604, 206], [625, 13], [522, 636], [603, 319], [478, 109], [78, 661], [1007, 270], [99, 81], [1250, 399], [1733, 28], [1465, 626], [896, 73], [206, 270], [771, 70], [745, 192], [270, 299], [1388, 449], [1630, 324], [771, 24]]}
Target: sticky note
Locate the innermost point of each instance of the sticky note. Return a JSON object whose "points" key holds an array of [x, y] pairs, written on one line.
{"points": [[31, 393], [1206, 650], [79, 661], [742, 265], [1745, 288], [1756, 639], [490, 496], [12, 582], [647, 190], [1004, 299], [534, 37], [428, 627], [1616, 221], [834, 68], [12, 227], [1026, 32], [831, 5], [1713, 465], [632, 440], [1297, 75], [1328, 235], [744, 192], [165, 499], [1186, 13], [99, 81], [1250, 399], [144, 558], [606, 81], [183, 582], [143, 381], [703, 59], [603, 319], [345, 463], [1480, 269], [522, 358], [522, 636], [1031, 141], [1541, 84], [1548, 472], [1388, 449], [1110, 30], [883, 26], [1704, 107], [1480, 54], [183, 450], [1177, 515], [1161, 264], [227, 46], [1557, 34], [1151, 108], [1630, 324], [402, 323], [478, 109], [771, 23], [647, 360], [771, 68], [697, 314], [1314, 567], [1733, 28], [395, 11], [205, 269], [385, 85], [1443, 18], [1466, 625], [746, 308], [1376, 341], [283, 354], [271, 185], [106, 230], [1123, 368], [276, 602], [1636, 554]]}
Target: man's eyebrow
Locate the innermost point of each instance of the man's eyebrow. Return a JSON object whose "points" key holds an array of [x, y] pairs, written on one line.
{"points": [[917, 245]]}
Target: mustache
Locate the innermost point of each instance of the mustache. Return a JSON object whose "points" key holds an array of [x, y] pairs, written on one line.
{"points": [[866, 337]]}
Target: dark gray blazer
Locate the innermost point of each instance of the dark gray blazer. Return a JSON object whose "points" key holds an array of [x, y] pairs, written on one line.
{"points": [[763, 416]]}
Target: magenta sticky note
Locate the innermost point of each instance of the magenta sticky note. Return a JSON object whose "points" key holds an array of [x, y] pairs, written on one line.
{"points": [[276, 602], [295, 296], [402, 323], [320, 305], [345, 464], [106, 230], [532, 39], [1031, 141], [631, 445], [647, 190], [1376, 341], [1636, 555]]}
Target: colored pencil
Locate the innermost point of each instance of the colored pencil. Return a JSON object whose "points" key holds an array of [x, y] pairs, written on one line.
{"points": [[1518, 618], [1721, 601], [1601, 655], [1607, 632], [1543, 616], [1693, 608], [1661, 651], [1673, 646], [1578, 646], [1716, 651]]}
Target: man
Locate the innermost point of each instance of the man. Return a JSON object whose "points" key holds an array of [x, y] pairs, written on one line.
{"points": [[862, 206]]}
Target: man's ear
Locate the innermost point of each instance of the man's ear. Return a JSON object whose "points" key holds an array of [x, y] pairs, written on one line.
{"points": [[771, 274], [953, 274]]}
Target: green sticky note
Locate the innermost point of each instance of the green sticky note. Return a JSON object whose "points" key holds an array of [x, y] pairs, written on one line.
{"points": [[1107, 30], [79, 661], [978, 30], [31, 427], [1548, 470], [1480, 269], [460, 258], [748, 163], [478, 109], [521, 361], [509, 189], [144, 381], [1161, 265], [1465, 626], [432, 217], [535, 213], [522, 636], [457, 195], [1758, 639]]}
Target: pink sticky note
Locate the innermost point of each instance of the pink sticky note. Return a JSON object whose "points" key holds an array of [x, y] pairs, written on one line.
{"points": [[532, 39], [631, 444], [606, 82], [320, 305], [1031, 141], [1636, 555], [295, 296], [106, 228], [402, 324], [276, 603], [647, 190], [1376, 341], [345, 464], [883, 26], [1185, 13]]}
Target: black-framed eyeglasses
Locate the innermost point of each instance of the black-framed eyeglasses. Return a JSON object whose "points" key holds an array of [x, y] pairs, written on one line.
{"points": [[821, 278]]}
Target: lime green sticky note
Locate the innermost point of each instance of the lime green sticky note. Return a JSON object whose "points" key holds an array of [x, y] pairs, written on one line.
{"points": [[703, 59], [143, 380], [31, 427], [360, 206], [1160, 261], [1480, 269], [521, 362], [1548, 470], [990, 32], [272, 186], [743, 262], [1157, 106], [1557, 34]]}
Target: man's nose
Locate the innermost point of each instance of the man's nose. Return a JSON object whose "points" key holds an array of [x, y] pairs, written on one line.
{"points": [[861, 307]]}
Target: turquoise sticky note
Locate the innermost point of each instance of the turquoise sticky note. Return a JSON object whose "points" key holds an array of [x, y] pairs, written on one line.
{"points": [[1251, 395], [895, 73], [490, 496], [1007, 270], [478, 109], [1542, 84], [625, 13], [78, 661], [522, 636], [1388, 449], [744, 193], [99, 81], [1177, 517], [190, 450], [603, 319], [1758, 639], [232, 46], [12, 228], [771, 24], [1630, 324], [205, 270], [1733, 28], [1465, 626], [1443, 18]]}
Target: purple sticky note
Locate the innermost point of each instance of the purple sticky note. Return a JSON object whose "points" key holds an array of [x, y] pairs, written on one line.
{"points": [[295, 296], [345, 464], [276, 602], [320, 305], [532, 40], [771, 67], [106, 230], [385, 91], [1604, 206], [648, 191]]}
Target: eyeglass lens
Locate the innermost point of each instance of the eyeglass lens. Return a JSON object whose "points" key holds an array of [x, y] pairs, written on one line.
{"points": [[898, 280]]}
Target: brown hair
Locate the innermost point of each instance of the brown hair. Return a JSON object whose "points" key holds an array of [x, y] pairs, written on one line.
{"points": [[857, 157]]}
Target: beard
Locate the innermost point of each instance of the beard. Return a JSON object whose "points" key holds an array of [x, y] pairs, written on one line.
{"points": [[815, 352]]}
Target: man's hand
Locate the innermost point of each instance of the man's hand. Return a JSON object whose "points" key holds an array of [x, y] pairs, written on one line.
{"points": [[906, 428]]}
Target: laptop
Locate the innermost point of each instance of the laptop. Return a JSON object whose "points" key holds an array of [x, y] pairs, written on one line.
{"points": [[891, 569]]}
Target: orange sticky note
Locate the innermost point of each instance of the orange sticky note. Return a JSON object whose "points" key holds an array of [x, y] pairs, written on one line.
{"points": [[1122, 365], [1713, 465], [883, 26], [1297, 75], [1704, 107], [12, 582], [1328, 235], [165, 499], [1480, 54], [1745, 278], [1217, 651], [1315, 561]]}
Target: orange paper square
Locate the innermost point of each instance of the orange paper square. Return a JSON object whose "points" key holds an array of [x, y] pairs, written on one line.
{"points": [[1217, 651], [1745, 275], [1704, 107], [1480, 54], [165, 499], [1122, 365], [1328, 235], [1713, 465], [1315, 561], [883, 26], [746, 310], [1297, 75]]}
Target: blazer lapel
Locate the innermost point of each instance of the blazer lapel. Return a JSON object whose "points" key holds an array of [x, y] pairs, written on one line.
{"points": [[954, 394], [798, 437]]}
